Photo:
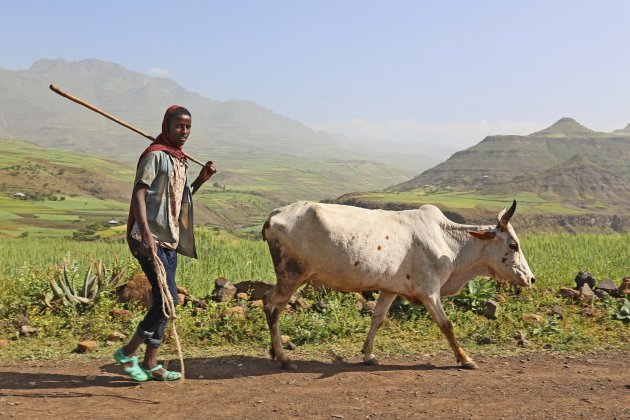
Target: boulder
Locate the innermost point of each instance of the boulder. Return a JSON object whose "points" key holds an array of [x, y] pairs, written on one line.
{"points": [[558, 311], [258, 304], [122, 314], [20, 320], [224, 291], [255, 289], [521, 339], [235, 312], [136, 289], [533, 319], [567, 293], [607, 286], [624, 288], [116, 336], [242, 296], [27, 331], [182, 291], [86, 346], [490, 308], [584, 277], [586, 293], [500, 298]]}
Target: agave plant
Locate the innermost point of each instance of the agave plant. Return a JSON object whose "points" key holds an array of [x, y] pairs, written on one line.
{"points": [[93, 286]]}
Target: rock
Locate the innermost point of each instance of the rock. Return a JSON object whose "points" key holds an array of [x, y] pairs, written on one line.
{"points": [[258, 304], [255, 289], [369, 306], [235, 312], [242, 296], [584, 277], [601, 293], [624, 288], [567, 293], [586, 293], [359, 305], [588, 311], [607, 286], [521, 339], [224, 291], [484, 340], [285, 339], [360, 297], [490, 308], [291, 346], [116, 336], [533, 319], [181, 299], [123, 314], [137, 289], [20, 320], [86, 346], [500, 298], [182, 291], [558, 311], [27, 331]]}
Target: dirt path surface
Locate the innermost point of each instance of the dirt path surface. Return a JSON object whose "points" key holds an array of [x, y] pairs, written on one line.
{"points": [[524, 386]]}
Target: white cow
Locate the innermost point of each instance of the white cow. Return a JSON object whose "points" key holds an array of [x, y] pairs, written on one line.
{"points": [[418, 254]]}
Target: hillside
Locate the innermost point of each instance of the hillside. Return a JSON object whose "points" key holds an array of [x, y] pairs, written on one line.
{"points": [[565, 178], [222, 130], [575, 182], [499, 159], [65, 191]]}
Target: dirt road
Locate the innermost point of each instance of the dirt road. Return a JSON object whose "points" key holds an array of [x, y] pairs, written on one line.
{"points": [[525, 386]]}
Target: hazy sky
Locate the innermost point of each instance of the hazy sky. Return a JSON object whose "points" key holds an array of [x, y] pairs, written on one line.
{"points": [[448, 72]]}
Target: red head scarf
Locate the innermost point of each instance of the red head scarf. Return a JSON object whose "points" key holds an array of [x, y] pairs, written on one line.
{"points": [[163, 142]]}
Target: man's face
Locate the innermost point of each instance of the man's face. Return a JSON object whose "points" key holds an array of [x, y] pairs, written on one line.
{"points": [[179, 129]]}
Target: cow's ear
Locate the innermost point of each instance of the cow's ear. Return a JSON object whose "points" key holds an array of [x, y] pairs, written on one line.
{"points": [[483, 235]]}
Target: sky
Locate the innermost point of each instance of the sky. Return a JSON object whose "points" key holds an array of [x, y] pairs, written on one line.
{"points": [[415, 72]]}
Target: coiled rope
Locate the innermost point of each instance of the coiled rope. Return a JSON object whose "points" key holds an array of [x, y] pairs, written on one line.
{"points": [[168, 306]]}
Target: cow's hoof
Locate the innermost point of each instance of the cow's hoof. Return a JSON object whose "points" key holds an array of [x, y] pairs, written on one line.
{"points": [[289, 365], [470, 365], [371, 362]]}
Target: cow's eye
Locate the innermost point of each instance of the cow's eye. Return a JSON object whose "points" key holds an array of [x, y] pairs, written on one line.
{"points": [[513, 246]]}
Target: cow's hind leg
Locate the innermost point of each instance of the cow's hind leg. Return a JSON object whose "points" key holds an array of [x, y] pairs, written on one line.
{"points": [[383, 303], [275, 300], [435, 309]]}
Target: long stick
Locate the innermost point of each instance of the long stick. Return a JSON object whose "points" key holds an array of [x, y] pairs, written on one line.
{"points": [[106, 115]]}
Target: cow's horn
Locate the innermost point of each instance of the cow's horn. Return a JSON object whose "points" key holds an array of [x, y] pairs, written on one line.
{"points": [[506, 215]]}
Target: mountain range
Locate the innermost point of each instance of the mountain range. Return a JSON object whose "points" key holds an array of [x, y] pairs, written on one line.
{"points": [[266, 159], [221, 129]]}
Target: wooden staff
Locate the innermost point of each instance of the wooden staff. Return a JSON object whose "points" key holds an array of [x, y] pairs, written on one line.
{"points": [[105, 114]]}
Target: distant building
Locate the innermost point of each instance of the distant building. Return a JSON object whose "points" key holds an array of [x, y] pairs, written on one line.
{"points": [[113, 222]]}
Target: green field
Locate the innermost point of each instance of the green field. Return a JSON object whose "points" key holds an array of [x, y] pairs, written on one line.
{"points": [[67, 191], [554, 259]]}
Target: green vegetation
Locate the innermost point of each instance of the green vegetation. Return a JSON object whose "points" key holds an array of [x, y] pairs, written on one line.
{"points": [[330, 318]]}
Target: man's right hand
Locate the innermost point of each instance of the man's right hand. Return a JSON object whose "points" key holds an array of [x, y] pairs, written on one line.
{"points": [[148, 246]]}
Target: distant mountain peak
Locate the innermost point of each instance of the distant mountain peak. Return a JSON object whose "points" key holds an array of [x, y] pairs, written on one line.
{"points": [[625, 130], [564, 126]]}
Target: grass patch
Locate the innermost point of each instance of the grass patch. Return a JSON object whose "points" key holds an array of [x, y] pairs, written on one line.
{"points": [[332, 322]]}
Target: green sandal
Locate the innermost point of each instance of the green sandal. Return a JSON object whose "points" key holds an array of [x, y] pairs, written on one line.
{"points": [[166, 376], [135, 371]]}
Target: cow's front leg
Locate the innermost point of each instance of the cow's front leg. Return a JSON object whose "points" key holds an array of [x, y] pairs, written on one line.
{"points": [[383, 303], [434, 306]]}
